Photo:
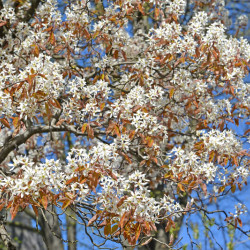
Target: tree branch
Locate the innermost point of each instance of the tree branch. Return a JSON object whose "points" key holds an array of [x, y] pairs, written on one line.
{"points": [[22, 226], [4, 236], [22, 138]]}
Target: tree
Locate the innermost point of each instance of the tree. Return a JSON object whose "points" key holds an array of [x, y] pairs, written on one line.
{"points": [[121, 129]]}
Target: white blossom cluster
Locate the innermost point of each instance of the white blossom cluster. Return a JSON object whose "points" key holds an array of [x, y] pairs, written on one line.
{"points": [[189, 164], [52, 176], [137, 197], [224, 143], [240, 209], [52, 83], [157, 87]]}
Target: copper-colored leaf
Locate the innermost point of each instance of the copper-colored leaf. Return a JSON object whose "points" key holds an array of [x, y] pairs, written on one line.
{"points": [[235, 223], [102, 105], [5, 122], [140, 8], [66, 203], [90, 131], [48, 29], [36, 51], [107, 229], [232, 90], [116, 54], [221, 189], [247, 131], [123, 220], [52, 38], [35, 210], [225, 161], [96, 34], [84, 126], [235, 161], [236, 121], [175, 17], [138, 232], [121, 201], [44, 201], [239, 221], [168, 226], [117, 131], [48, 111], [181, 187], [150, 141], [209, 57], [171, 93], [71, 180], [155, 160], [131, 134], [86, 34], [15, 121], [197, 52], [157, 12], [233, 188], [211, 156], [108, 48], [114, 229], [58, 48], [124, 55], [182, 59]]}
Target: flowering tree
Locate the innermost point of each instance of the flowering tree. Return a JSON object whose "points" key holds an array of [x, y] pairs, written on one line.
{"points": [[117, 114]]}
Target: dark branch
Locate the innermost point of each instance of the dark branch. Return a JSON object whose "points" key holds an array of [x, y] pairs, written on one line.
{"points": [[22, 138], [7, 241]]}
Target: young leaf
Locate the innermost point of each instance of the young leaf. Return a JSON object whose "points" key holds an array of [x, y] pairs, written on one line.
{"points": [[66, 203], [93, 219], [107, 229]]}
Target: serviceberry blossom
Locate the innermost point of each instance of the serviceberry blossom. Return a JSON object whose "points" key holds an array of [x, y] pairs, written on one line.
{"points": [[121, 111], [240, 209]]}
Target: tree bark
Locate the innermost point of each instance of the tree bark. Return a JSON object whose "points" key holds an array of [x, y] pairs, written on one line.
{"points": [[51, 231], [71, 229], [27, 236], [6, 239]]}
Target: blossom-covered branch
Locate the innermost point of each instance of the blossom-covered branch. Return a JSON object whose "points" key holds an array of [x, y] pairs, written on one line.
{"points": [[150, 109]]}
